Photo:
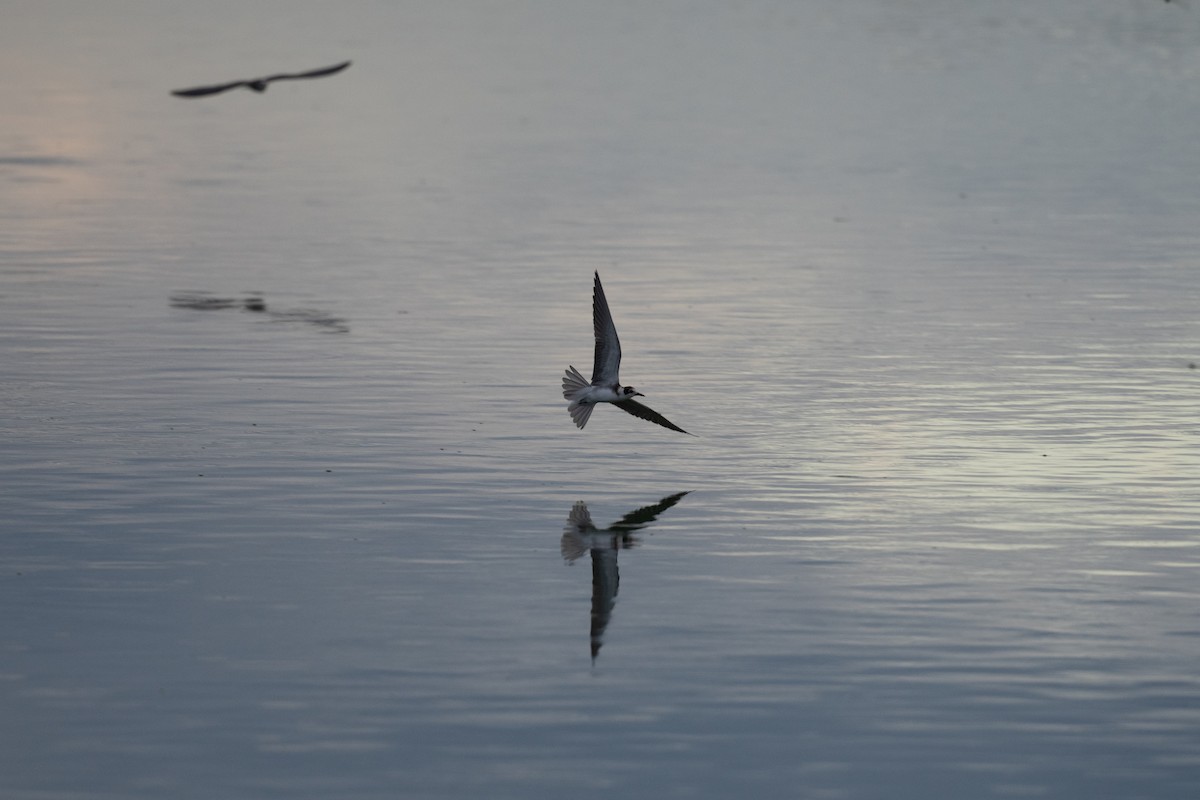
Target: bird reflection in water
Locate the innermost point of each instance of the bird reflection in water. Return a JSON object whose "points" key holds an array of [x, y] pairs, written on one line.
{"points": [[205, 301], [581, 536]]}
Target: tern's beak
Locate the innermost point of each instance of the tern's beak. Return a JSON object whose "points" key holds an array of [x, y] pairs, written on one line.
{"points": [[638, 394]]}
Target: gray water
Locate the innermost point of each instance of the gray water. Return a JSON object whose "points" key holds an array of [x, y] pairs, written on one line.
{"points": [[286, 466]]}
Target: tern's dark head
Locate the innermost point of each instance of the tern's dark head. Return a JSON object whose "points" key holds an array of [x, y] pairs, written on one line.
{"points": [[629, 391]]}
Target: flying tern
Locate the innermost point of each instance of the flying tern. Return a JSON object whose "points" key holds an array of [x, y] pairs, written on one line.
{"points": [[605, 386], [259, 84]]}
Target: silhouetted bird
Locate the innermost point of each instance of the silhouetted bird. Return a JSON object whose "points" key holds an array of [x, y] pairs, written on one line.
{"points": [[259, 84]]}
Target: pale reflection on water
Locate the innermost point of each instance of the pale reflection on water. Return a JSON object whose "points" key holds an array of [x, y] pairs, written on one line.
{"points": [[582, 537], [256, 303], [920, 277]]}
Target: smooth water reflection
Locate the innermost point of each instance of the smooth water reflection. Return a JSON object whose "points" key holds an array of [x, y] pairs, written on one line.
{"points": [[580, 536]]}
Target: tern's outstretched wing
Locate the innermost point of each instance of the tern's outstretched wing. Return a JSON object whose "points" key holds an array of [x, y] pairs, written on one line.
{"points": [[608, 346], [639, 410]]}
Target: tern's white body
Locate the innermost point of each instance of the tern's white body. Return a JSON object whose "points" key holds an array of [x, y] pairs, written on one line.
{"points": [[599, 394]]}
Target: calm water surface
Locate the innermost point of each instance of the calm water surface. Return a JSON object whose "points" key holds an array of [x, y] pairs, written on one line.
{"points": [[290, 492]]}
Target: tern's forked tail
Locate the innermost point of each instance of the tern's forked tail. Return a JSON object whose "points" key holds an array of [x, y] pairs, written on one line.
{"points": [[574, 386]]}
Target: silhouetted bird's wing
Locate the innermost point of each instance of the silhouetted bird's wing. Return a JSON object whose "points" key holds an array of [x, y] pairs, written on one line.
{"points": [[202, 91], [313, 73]]}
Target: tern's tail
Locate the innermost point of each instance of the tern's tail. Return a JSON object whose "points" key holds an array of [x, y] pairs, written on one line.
{"points": [[574, 386]]}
